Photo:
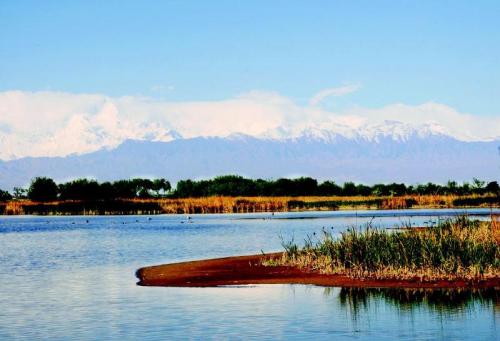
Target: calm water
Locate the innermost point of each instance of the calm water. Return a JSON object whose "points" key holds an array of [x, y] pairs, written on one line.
{"points": [[73, 278]]}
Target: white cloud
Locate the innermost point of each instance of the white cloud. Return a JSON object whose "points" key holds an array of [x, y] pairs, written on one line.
{"points": [[333, 92], [57, 123]]}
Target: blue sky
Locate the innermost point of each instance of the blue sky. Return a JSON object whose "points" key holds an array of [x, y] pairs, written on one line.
{"points": [[396, 51], [95, 73]]}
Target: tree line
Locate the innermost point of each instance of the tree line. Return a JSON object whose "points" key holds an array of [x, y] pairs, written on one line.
{"points": [[45, 189], [232, 185]]}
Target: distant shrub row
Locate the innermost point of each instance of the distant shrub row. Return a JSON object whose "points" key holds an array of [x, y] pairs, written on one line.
{"points": [[232, 185], [45, 189]]}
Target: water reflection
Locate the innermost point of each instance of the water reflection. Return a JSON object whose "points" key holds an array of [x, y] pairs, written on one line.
{"points": [[438, 300]]}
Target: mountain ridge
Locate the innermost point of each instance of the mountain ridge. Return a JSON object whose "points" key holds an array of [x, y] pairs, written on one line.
{"points": [[81, 136], [436, 157]]}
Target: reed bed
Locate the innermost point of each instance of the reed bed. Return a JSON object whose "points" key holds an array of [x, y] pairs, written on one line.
{"points": [[454, 249], [13, 208], [222, 204]]}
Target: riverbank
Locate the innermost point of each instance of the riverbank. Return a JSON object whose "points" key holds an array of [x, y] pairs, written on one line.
{"points": [[247, 270], [218, 204]]}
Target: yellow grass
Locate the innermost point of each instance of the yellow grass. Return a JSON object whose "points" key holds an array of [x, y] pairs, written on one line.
{"points": [[14, 208], [220, 204]]}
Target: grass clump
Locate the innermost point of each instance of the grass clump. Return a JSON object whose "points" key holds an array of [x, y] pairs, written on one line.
{"points": [[459, 248]]}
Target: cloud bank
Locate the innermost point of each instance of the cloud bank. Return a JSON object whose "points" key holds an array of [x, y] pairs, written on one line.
{"points": [[52, 123]]}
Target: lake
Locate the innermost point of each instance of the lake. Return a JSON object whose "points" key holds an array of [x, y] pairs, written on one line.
{"points": [[72, 278]]}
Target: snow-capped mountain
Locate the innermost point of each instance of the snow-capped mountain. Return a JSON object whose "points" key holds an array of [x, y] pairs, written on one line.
{"points": [[384, 153], [398, 131], [80, 134]]}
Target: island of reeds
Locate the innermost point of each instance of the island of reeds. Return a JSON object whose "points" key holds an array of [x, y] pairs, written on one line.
{"points": [[236, 194], [458, 249]]}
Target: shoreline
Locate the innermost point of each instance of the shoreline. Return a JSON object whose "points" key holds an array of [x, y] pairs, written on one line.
{"points": [[248, 270], [359, 212]]}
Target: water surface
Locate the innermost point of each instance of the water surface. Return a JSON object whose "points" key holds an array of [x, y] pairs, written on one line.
{"points": [[73, 278]]}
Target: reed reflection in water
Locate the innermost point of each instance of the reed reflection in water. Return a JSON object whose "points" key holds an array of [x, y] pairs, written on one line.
{"points": [[444, 301]]}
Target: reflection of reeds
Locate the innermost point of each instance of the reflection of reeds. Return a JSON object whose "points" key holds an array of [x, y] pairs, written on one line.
{"points": [[442, 300], [459, 248]]}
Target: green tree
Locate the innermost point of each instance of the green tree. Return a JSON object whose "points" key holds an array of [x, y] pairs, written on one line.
{"points": [[20, 193], [451, 187], [187, 188], [5, 196], [161, 187], [363, 190], [478, 186], [492, 187], [42, 189], [329, 188], [80, 189], [349, 189]]}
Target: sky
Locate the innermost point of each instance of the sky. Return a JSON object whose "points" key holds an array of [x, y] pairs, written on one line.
{"points": [[99, 72]]}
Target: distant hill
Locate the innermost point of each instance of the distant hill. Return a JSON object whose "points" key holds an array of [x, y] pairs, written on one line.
{"points": [[412, 157]]}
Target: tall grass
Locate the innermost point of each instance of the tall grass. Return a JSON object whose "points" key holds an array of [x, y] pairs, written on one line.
{"points": [[221, 204], [459, 248]]}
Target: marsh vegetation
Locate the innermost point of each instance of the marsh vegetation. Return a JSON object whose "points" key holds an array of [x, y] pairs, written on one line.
{"points": [[235, 194], [453, 249]]}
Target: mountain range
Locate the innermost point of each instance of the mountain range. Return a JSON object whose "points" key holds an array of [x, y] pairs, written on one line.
{"points": [[387, 153]]}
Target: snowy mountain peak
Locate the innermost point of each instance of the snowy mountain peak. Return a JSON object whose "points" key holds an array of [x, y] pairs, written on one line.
{"points": [[394, 130], [84, 135], [399, 131]]}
